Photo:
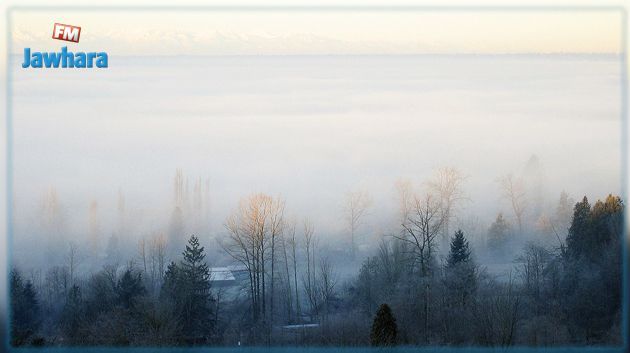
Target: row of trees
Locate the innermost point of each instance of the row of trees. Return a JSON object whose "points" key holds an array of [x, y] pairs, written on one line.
{"points": [[190, 214], [292, 293], [113, 307], [282, 287], [559, 296]]}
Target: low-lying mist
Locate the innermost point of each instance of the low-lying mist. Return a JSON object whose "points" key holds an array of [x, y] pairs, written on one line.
{"points": [[141, 152]]}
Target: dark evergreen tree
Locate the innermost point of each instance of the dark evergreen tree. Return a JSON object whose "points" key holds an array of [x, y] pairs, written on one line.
{"points": [[172, 296], [460, 275], [128, 288], [24, 310], [187, 286], [384, 329], [592, 276], [579, 233], [606, 224], [498, 233], [99, 294], [592, 229], [460, 250], [171, 283], [198, 323], [72, 319]]}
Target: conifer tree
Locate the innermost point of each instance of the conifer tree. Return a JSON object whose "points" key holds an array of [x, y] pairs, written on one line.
{"points": [[128, 288], [579, 232], [460, 251], [606, 224], [73, 316], [187, 286], [498, 233], [384, 329], [593, 228], [171, 281], [460, 276], [197, 307], [592, 297], [24, 310]]}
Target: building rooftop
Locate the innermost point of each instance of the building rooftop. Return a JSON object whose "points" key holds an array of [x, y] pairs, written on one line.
{"points": [[219, 274]]}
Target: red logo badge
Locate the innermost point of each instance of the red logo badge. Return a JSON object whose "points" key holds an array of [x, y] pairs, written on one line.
{"points": [[66, 32]]}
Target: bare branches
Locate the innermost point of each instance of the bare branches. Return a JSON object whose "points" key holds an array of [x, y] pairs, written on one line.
{"points": [[356, 206], [404, 191], [73, 260], [448, 187], [310, 243], [514, 191], [327, 282], [423, 226], [293, 243], [142, 253], [157, 258], [253, 229]]}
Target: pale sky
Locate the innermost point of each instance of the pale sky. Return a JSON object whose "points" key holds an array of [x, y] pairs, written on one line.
{"points": [[323, 32]]}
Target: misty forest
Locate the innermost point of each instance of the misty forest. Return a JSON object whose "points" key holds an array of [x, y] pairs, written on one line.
{"points": [[537, 272]]}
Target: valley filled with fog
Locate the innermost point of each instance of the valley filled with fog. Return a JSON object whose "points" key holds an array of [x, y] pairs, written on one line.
{"points": [[116, 169]]}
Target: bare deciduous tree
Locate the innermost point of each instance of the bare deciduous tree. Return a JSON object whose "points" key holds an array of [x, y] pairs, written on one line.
{"points": [[53, 221], [178, 189], [514, 191], [404, 194], [72, 260], [157, 257], [276, 230], [253, 229], [122, 215], [448, 187], [287, 275], [292, 241], [423, 226], [498, 313], [534, 264], [327, 282], [357, 204], [94, 229], [310, 243], [142, 253]]}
